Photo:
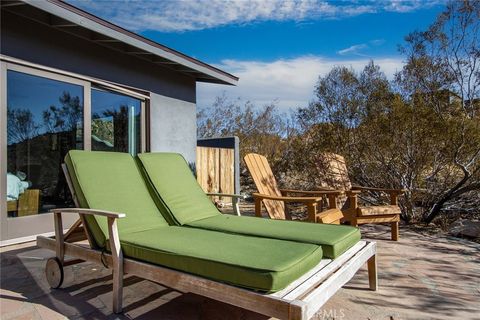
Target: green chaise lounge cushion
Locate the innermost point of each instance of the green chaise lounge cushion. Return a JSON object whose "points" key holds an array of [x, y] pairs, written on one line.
{"points": [[112, 181], [261, 264], [174, 183], [333, 239]]}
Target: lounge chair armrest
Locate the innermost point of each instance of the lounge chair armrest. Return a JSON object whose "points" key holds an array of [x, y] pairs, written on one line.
{"points": [[226, 195], [353, 198], [286, 199], [353, 193], [313, 192], [330, 216], [113, 238], [396, 191], [91, 212]]}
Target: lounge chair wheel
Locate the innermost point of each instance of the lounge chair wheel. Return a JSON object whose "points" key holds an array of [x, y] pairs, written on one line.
{"points": [[54, 272]]}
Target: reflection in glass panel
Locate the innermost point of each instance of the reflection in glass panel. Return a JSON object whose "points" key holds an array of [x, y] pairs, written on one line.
{"points": [[44, 121], [115, 122]]}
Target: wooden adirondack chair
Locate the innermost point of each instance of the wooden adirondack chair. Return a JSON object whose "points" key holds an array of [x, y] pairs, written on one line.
{"points": [[334, 170], [275, 199]]}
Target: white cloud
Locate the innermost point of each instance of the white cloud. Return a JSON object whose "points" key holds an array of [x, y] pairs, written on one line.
{"points": [[377, 42], [357, 49], [353, 49], [288, 82], [185, 15], [403, 6]]}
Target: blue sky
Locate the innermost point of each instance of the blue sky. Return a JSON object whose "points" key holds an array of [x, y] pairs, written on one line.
{"points": [[277, 48]]}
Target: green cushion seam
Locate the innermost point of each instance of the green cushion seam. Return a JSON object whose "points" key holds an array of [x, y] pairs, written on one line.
{"points": [[229, 264], [263, 236], [354, 230], [235, 266], [139, 231], [346, 236]]}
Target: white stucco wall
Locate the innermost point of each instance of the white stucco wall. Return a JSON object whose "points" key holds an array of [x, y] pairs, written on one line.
{"points": [[173, 126]]}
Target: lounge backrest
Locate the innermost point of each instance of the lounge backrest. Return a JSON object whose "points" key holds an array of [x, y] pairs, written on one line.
{"points": [[266, 183], [176, 187], [112, 181], [334, 172]]}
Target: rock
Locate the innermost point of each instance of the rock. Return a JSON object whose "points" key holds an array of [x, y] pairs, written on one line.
{"points": [[465, 228]]}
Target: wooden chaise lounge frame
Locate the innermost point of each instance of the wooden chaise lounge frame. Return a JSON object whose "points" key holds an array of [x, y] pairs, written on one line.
{"points": [[300, 300]]}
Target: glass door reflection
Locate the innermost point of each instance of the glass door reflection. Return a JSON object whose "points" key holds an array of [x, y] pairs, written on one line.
{"points": [[115, 122], [44, 122]]}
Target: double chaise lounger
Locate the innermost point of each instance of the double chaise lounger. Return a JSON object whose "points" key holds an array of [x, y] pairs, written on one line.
{"points": [[147, 216]]}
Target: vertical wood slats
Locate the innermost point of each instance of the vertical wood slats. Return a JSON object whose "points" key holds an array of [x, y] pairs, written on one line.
{"points": [[335, 174], [215, 170], [28, 202], [265, 182]]}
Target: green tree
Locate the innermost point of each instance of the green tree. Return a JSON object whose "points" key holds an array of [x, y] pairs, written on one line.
{"points": [[442, 74], [360, 117], [261, 130], [420, 131]]}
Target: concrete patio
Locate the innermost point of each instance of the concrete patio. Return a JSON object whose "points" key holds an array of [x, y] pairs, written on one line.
{"points": [[421, 277]]}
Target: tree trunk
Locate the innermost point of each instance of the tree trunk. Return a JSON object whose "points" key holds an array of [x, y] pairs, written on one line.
{"points": [[452, 193]]}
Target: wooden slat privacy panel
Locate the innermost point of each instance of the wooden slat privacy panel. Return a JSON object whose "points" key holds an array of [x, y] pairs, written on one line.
{"points": [[215, 170]]}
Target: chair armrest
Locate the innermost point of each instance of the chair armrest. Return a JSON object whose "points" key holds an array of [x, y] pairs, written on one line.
{"points": [[313, 192], [91, 212], [330, 216], [396, 191], [227, 195], [353, 199], [353, 193], [113, 236], [287, 199]]}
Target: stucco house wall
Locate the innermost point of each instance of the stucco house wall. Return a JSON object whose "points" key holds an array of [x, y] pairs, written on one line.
{"points": [[173, 124]]}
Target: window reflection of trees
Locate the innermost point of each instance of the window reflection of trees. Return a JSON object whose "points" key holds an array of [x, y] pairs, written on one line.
{"points": [[64, 118], [38, 146], [21, 125], [39, 141]]}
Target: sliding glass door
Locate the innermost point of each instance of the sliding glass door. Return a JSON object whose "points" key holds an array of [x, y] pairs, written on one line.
{"points": [[116, 122], [43, 116], [44, 119]]}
